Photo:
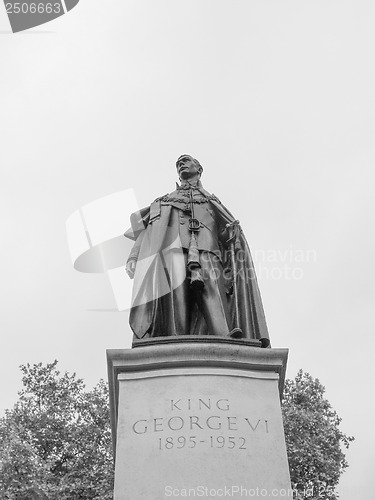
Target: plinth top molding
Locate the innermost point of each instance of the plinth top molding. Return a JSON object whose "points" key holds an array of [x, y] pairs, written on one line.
{"points": [[198, 353]]}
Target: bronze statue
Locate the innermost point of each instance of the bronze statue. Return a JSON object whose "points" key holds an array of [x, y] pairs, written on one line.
{"points": [[192, 266]]}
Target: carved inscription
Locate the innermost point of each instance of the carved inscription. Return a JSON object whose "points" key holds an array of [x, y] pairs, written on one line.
{"points": [[195, 422]]}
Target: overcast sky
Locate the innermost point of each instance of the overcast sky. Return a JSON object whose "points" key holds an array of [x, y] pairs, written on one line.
{"points": [[275, 98]]}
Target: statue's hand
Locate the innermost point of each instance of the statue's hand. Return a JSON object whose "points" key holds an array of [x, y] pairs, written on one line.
{"points": [[130, 268]]}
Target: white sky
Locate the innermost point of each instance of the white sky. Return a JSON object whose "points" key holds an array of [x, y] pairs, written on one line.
{"points": [[277, 101]]}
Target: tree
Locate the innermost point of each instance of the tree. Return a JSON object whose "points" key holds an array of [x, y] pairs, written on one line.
{"points": [[313, 438], [55, 443]]}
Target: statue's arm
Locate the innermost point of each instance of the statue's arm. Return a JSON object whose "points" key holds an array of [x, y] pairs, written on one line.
{"points": [[223, 218], [131, 263], [139, 221]]}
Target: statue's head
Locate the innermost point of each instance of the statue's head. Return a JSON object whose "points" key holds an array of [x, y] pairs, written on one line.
{"points": [[188, 167]]}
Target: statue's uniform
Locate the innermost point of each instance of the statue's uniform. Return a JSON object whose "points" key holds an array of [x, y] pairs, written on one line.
{"points": [[163, 301]]}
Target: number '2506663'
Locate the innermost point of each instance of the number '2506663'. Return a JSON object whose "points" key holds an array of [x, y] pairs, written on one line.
{"points": [[33, 8]]}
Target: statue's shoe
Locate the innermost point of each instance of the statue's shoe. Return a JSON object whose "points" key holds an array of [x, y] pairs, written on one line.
{"points": [[236, 333]]}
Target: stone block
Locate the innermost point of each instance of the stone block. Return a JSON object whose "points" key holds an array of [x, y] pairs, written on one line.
{"points": [[198, 419]]}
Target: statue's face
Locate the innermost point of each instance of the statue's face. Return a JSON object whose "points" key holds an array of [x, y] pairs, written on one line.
{"points": [[187, 168]]}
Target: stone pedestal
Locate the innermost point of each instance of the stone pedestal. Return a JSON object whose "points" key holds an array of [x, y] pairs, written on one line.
{"points": [[198, 419]]}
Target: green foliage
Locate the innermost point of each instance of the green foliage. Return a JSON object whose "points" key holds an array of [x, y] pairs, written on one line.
{"points": [[55, 443], [314, 440]]}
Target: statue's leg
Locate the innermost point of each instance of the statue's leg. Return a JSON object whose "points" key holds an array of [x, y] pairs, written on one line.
{"points": [[212, 299]]}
